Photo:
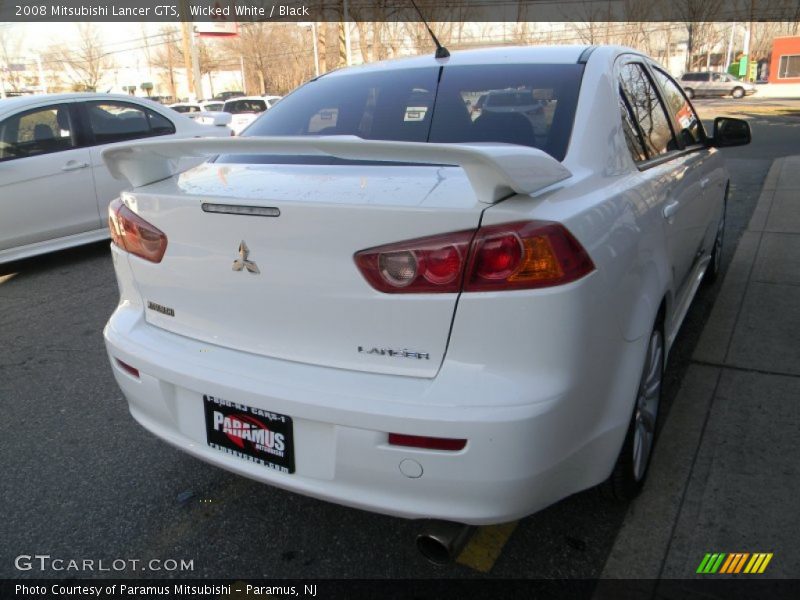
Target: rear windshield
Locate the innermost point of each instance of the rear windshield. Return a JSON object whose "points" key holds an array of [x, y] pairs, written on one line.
{"points": [[415, 105], [245, 106]]}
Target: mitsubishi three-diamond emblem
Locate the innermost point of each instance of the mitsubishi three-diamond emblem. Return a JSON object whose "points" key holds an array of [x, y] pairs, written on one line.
{"points": [[242, 262]]}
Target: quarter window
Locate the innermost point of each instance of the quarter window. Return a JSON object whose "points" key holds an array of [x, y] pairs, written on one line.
{"points": [[647, 109], [689, 126], [119, 121], [38, 131]]}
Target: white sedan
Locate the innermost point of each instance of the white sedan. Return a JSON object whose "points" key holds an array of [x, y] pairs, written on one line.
{"points": [[374, 299], [246, 109], [54, 187]]}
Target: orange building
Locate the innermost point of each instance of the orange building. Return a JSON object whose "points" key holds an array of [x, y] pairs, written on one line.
{"points": [[784, 67]]}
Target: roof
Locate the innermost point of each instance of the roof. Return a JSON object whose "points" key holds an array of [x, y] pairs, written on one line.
{"points": [[501, 54], [13, 104]]}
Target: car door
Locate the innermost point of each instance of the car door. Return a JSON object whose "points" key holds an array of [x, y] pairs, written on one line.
{"points": [[671, 177], [110, 121], [719, 85], [46, 187], [704, 160]]}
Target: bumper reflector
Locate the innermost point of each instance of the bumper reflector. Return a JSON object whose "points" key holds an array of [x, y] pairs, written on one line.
{"points": [[132, 371], [428, 443]]}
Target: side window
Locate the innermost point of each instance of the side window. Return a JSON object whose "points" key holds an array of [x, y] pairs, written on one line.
{"points": [[691, 130], [647, 109], [633, 137], [38, 131], [119, 121], [159, 125]]}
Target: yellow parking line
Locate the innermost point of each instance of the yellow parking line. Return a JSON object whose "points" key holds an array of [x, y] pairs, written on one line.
{"points": [[485, 546]]}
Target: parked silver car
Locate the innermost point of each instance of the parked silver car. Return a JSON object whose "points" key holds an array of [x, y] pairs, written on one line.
{"points": [[707, 83]]}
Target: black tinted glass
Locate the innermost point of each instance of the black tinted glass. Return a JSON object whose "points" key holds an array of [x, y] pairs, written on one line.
{"points": [[529, 105], [535, 107], [690, 130], [647, 110], [38, 131]]}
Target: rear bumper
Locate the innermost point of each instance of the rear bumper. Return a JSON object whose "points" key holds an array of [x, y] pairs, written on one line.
{"points": [[543, 397], [519, 457]]}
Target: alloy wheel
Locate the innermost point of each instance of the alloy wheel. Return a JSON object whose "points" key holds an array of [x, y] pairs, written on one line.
{"points": [[647, 403]]}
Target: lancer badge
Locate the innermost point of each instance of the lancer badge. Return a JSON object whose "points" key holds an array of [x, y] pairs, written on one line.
{"points": [[242, 262]]}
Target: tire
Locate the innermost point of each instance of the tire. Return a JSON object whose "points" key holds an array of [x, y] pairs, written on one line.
{"points": [[715, 266], [737, 93], [630, 470], [689, 93]]}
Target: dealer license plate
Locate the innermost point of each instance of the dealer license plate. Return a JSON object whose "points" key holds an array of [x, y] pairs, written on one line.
{"points": [[252, 434]]}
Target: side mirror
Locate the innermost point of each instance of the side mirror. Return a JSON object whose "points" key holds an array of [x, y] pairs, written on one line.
{"points": [[730, 132]]}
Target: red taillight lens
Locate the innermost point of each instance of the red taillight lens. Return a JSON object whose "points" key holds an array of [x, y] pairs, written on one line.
{"points": [[429, 443], [132, 233], [432, 264], [525, 255], [497, 257], [511, 256]]}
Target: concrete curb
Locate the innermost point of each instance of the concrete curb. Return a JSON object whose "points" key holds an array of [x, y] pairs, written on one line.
{"points": [[712, 347], [643, 542]]}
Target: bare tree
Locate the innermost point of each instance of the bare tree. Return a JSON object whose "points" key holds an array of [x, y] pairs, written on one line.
{"points": [[698, 17], [10, 44], [277, 56], [167, 57], [85, 60]]}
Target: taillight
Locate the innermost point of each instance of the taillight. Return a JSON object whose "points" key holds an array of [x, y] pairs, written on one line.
{"points": [[430, 264], [525, 255], [521, 255], [132, 233]]}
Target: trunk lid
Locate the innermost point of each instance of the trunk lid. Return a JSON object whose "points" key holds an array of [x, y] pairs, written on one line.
{"points": [[308, 302]]}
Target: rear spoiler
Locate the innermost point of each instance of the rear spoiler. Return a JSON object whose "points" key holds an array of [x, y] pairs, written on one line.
{"points": [[495, 171]]}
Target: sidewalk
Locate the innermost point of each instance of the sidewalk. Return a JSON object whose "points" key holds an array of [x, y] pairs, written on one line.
{"points": [[725, 475]]}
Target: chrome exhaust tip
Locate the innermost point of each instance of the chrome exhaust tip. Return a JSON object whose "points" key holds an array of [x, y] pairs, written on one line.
{"points": [[442, 541]]}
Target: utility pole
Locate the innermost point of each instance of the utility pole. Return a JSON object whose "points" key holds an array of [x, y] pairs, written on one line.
{"points": [[346, 22], [730, 47], [187, 56], [748, 39], [198, 81]]}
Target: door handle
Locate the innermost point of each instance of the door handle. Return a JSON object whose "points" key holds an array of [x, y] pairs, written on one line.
{"points": [[671, 208], [74, 166]]}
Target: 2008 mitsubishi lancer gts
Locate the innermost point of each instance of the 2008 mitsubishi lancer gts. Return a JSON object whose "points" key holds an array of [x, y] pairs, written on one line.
{"points": [[396, 296]]}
